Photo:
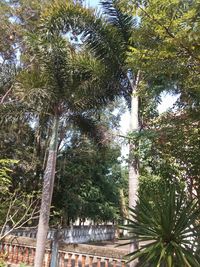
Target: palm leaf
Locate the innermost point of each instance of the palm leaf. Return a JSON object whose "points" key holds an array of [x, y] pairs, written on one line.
{"points": [[91, 128]]}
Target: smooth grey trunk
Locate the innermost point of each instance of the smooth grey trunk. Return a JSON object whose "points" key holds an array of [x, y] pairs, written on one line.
{"points": [[47, 192], [133, 159]]}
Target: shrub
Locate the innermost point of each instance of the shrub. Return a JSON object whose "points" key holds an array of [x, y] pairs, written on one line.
{"points": [[170, 225]]}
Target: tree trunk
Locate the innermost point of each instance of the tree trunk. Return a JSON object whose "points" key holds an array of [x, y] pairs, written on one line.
{"points": [[47, 192], [123, 211], [133, 159], [122, 201]]}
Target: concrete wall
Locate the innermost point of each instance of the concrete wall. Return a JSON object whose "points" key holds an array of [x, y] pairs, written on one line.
{"points": [[74, 234]]}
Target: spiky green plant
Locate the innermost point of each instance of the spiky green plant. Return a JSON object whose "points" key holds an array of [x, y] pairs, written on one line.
{"points": [[169, 227]]}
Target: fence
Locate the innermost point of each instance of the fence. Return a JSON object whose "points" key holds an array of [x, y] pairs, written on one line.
{"points": [[74, 234], [22, 250]]}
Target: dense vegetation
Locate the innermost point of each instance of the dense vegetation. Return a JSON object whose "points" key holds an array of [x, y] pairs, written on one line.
{"points": [[64, 72]]}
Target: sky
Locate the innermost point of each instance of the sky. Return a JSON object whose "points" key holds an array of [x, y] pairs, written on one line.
{"points": [[92, 3]]}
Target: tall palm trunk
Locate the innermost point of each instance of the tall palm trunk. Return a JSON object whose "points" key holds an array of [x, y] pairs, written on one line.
{"points": [[133, 159], [48, 184]]}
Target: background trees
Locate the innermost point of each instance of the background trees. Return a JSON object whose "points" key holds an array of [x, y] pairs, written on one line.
{"points": [[83, 192], [167, 44]]}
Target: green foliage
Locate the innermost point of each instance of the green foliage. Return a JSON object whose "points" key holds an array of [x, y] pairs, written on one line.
{"points": [[170, 226], [22, 265], [5, 179], [88, 182], [150, 185], [167, 148], [17, 208], [19, 142], [165, 47], [173, 148], [2, 263]]}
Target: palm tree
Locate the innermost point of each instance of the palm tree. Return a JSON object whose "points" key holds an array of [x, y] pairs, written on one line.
{"points": [[108, 38], [68, 84], [119, 27], [124, 24]]}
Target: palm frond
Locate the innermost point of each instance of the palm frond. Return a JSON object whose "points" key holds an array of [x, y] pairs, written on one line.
{"points": [[91, 128], [119, 19], [103, 40]]}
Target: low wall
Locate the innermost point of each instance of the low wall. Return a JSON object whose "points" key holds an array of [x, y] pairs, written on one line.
{"points": [[74, 234], [22, 250]]}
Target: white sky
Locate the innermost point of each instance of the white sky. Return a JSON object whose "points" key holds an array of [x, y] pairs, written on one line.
{"points": [[92, 3]]}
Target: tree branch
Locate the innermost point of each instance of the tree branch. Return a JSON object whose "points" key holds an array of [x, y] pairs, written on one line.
{"points": [[170, 34]]}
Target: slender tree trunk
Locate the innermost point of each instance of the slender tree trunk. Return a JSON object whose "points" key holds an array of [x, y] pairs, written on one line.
{"points": [[123, 210], [122, 200], [133, 159], [48, 184]]}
